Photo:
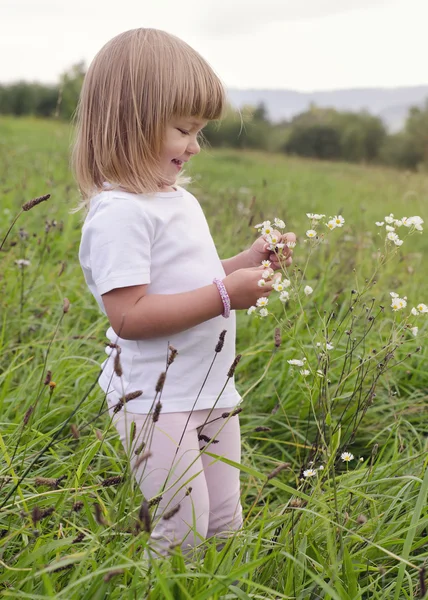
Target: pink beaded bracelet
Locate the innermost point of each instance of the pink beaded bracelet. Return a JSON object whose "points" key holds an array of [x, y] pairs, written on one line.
{"points": [[224, 297]]}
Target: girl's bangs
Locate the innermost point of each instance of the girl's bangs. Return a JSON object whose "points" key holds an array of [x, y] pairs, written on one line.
{"points": [[199, 94]]}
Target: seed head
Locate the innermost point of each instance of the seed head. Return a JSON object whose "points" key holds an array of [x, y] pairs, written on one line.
{"points": [[79, 537], [172, 354], [131, 396], [144, 517], [220, 343], [66, 305], [277, 337], [154, 501], [48, 378], [231, 414], [160, 383], [99, 517], [77, 506], [231, 371], [28, 415], [157, 411], [139, 448], [168, 515], [262, 428], [112, 481], [117, 365], [32, 203]]}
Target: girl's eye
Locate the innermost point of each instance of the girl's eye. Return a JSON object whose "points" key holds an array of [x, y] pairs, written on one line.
{"points": [[183, 131]]}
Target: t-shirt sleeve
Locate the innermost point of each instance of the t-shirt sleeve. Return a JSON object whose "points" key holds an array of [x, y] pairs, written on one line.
{"points": [[118, 243]]}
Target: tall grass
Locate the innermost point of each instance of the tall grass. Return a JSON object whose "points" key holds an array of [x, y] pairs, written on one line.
{"points": [[72, 524]]}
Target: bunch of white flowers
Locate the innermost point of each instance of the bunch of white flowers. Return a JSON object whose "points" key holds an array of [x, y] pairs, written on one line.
{"points": [[267, 229], [316, 219], [412, 223]]}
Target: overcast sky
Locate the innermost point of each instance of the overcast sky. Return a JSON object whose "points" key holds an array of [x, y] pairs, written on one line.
{"points": [[295, 44]]}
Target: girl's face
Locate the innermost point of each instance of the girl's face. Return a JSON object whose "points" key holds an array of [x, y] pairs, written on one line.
{"points": [[179, 145]]}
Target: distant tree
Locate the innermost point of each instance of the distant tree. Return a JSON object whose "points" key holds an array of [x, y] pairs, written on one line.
{"points": [[70, 86]]}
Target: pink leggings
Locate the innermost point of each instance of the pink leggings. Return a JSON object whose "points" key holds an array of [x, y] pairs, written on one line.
{"points": [[212, 507]]}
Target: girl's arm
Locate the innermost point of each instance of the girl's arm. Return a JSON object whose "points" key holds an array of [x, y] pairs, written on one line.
{"points": [[137, 316]]}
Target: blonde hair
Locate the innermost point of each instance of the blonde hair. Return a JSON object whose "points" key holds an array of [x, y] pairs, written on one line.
{"points": [[136, 83]]}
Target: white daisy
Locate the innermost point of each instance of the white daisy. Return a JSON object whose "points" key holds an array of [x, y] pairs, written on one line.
{"points": [[266, 264], [346, 456], [309, 473], [311, 233], [414, 330], [263, 312], [278, 223], [331, 225], [308, 290], [422, 308], [398, 304], [284, 296], [263, 301], [251, 310], [379, 223], [339, 220], [261, 282], [294, 362], [304, 372]]}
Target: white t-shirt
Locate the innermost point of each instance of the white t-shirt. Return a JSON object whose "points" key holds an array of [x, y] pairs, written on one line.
{"points": [[162, 240]]}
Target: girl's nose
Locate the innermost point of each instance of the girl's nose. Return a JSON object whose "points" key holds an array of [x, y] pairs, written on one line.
{"points": [[193, 147]]}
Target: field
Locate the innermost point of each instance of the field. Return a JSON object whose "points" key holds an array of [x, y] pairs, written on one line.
{"points": [[351, 530]]}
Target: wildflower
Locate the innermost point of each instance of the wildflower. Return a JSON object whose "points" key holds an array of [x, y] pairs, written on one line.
{"points": [[391, 236], [321, 468], [284, 296], [379, 223], [320, 373], [390, 228], [398, 303], [279, 287], [266, 264], [315, 216], [304, 372], [393, 294], [273, 239], [280, 246], [251, 310], [267, 229], [361, 459], [398, 223], [331, 225], [309, 473], [22, 262], [286, 283], [416, 222], [346, 456], [390, 219], [339, 220], [422, 308], [294, 362], [278, 223], [263, 312], [311, 233], [262, 301], [308, 290], [398, 242], [261, 282], [329, 346], [266, 274], [414, 330], [291, 244]]}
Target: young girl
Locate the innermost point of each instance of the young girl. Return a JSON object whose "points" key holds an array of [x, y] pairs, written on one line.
{"points": [[150, 261]]}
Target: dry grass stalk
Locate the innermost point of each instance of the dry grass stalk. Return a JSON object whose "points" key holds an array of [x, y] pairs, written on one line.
{"points": [[75, 431], [157, 411], [66, 305], [144, 519], [99, 517], [172, 354], [160, 383], [278, 470]]}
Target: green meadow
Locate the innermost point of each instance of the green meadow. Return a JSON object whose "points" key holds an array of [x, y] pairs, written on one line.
{"points": [[316, 526]]}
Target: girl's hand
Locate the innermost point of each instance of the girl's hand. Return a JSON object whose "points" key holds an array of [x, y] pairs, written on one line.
{"points": [[243, 289], [260, 251]]}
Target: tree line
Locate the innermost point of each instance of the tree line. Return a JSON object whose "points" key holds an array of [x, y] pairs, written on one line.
{"points": [[321, 133]]}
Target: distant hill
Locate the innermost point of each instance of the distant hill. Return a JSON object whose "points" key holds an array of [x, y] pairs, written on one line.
{"points": [[391, 104]]}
